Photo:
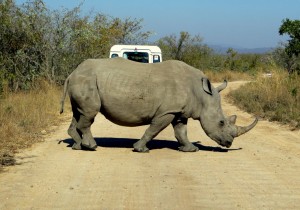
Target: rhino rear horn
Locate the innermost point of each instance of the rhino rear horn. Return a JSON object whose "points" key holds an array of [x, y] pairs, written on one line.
{"points": [[242, 130], [232, 119], [222, 87]]}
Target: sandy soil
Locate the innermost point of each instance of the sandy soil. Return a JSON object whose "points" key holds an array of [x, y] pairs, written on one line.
{"points": [[260, 171]]}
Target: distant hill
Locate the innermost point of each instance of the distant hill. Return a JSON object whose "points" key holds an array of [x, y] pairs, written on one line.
{"points": [[223, 49]]}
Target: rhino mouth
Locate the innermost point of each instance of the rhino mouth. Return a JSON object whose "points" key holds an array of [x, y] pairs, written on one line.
{"points": [[226, 144]]}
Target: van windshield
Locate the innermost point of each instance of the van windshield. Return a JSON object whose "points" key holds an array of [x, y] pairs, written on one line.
{"points": [[141, 57]]}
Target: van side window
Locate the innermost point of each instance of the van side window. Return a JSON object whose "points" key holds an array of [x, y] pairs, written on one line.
{"points": [[114, 55], [156, 58]]}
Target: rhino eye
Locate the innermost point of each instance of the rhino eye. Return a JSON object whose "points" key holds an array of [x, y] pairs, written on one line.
{"points": [[222, 123]]}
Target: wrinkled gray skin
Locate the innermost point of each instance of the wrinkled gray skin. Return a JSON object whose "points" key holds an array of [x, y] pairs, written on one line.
{"points": [[134, 94]]}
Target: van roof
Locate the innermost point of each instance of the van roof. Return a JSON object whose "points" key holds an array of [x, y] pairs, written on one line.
{"points": [[152, 48]]}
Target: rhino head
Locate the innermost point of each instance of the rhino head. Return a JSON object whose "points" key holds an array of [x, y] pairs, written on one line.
{"points": [[218, 127]]}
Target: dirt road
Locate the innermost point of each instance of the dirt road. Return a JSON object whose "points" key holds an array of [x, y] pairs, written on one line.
{"points": [[260, 171]]}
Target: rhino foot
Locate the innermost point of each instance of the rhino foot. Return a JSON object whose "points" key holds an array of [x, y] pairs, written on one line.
{"points": [[188, 148], [141, 149], [89, 144], [76, 146], [90, 147], [140, 146]]}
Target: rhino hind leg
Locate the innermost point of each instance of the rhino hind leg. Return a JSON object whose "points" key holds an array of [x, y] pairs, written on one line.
{"points": [[73, 132], [180, 130], [84, 126], [80, 128], [80, 131], [157, 125]]}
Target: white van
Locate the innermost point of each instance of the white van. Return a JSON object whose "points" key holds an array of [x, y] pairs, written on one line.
{"points": [[139, 53]]}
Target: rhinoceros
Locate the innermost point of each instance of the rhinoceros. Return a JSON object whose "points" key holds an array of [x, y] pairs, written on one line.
{"points": [[133, 94]]}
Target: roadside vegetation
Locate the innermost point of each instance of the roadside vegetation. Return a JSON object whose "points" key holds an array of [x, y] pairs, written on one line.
{"points": [[276, 98], [26, 116], [39, 47]]}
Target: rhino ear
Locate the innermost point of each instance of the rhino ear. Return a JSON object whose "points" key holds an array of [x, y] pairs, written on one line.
{"points": [[206, 86]]}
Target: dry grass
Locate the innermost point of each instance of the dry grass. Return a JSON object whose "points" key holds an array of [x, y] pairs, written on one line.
{"points": [[219, 76], [276, 98], [23, 117]]}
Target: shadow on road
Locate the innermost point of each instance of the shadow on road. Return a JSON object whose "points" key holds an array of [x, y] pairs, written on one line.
{"points": [[154, 144]]}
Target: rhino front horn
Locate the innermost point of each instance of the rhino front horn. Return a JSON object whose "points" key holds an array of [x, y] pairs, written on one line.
{"points": [[242, 130]]}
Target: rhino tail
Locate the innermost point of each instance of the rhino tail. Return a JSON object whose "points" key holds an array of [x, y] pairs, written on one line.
{"points": [[62, 101]]}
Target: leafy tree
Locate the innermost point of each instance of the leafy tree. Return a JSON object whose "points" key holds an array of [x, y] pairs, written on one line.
{"points": [[129, 31], [292, 28], [21, 51], [36, 42], [231, 62], [186, 48]]}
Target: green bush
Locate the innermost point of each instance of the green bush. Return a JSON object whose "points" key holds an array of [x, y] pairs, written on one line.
{"points": [[37, 42]]}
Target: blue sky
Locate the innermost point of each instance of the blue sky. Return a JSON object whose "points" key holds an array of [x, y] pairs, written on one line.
{"points": [[232, 23]]}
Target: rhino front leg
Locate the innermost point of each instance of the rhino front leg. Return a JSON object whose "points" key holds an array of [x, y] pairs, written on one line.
{"points": [[157, 125], [180, 130]]}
